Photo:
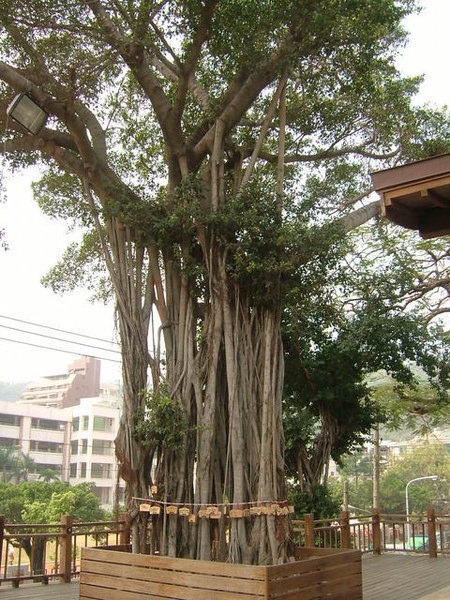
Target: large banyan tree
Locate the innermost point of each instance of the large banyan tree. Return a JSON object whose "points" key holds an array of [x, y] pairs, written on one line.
{"points": [[216, 152]]}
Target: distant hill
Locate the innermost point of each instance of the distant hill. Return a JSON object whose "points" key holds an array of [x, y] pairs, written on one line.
{"points": [[11, 391]]}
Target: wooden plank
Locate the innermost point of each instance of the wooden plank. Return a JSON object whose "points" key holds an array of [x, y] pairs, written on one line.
{"points": [[175, 564], [104, 588], [320, 552], [119, 573], [304, 580], [312, 563], [331, 580], [348, 589]]}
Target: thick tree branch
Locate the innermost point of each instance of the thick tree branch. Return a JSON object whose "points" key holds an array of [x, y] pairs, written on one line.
{"points": [[188, 67], [359, 216]]}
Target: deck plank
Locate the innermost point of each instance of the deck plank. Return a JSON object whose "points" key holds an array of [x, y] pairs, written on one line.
{"points": [[394, 576], [406, 577]]}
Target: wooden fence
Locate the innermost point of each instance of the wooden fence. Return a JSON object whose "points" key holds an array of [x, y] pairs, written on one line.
{"points": [[428, 534], [54, 551]]}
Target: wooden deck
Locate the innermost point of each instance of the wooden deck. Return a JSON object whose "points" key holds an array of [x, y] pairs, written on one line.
{"points": [[386, 577]]}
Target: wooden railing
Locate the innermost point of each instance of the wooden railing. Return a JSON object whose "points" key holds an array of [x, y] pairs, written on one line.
{"points": [[44, 552], [428, 534]]}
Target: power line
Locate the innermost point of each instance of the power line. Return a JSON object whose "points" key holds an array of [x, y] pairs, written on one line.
{"points": [[51, 337], [59, 330], [57, 349]]}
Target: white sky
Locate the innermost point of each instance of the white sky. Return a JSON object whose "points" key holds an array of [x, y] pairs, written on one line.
{"points": [[36, 242]]}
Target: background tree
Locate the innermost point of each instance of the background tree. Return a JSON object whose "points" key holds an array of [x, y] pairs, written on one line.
{"points": [[213, 177], [39, 502], [358, 323], [15, 465], [427, 458]]}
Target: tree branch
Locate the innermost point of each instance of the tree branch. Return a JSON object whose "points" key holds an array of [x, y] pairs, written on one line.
{"points": [[359, 216]]}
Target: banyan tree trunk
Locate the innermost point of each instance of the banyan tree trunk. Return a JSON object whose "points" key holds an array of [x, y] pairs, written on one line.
{"points": [[230, 386]]}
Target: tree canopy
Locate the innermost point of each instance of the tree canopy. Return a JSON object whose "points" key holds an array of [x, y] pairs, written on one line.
{"points": [[42, 502], [216, 154]]}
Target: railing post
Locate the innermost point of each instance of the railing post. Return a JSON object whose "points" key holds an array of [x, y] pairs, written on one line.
{"points": [[345, 529], [309, 530], [66, 548], [376, 531], [125, 531], [432, 542]]}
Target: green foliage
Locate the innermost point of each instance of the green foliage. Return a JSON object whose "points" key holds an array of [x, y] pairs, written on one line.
{"points": [[163, 423], [41, 502], [348, 323], [420, 460], [424, 460], [320, 500]]}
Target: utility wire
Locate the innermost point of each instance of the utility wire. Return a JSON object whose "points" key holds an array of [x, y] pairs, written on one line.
{"points": [[57, 349], [51, 337], [59, 330]]}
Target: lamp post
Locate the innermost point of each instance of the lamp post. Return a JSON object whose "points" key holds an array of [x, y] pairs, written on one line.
{"points": [[27, 112], [408, 524]]}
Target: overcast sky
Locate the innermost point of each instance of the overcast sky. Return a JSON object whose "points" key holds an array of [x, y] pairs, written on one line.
{"points": [[36, 243]]}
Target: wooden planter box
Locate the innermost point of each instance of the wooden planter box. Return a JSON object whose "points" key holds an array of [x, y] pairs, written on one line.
{"points": [[318, 574]]}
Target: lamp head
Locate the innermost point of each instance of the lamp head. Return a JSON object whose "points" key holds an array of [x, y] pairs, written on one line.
{"points": [[25, 111]]}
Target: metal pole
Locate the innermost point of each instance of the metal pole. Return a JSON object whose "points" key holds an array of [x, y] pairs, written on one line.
{"points": [[408, 520]]}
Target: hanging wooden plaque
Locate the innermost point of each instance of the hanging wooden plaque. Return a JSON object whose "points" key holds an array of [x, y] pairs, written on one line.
{"points": [[255, 511], [144, 507], [171, 510], [155, 510], [184, 511]]}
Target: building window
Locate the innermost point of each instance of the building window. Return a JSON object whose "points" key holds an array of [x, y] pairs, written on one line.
{"points": [[103, 424], [103, 447], [46, 447], [85, 423], [74, 447], [83, 470], [47, 424], [100, 471], [73, 469], [103, 494], [9, 420], [84, 446], [8, 443], [76, 424]]}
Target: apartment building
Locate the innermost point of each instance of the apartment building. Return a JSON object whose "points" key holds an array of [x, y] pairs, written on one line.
{"points": [[68, 424], [95, 422], [82, 380], [41, 433]]}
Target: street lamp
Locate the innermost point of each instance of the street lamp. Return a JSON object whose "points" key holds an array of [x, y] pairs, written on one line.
{"points": [[25, 111], [408, 524]]}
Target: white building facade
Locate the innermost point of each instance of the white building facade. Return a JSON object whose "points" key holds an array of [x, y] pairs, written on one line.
{"points": [[95, 423], [77, 442]]}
